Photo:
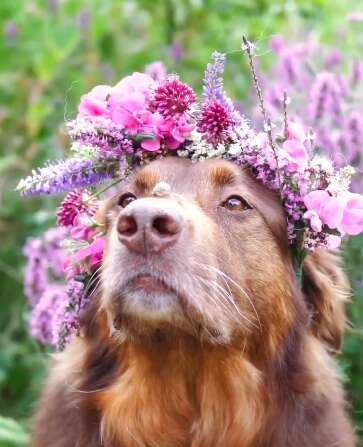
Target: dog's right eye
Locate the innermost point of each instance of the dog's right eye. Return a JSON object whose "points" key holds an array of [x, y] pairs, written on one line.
{"points": [[236, 203], [126, 199]]}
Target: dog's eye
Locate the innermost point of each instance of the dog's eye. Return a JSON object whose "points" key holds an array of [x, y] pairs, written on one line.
{"points": [[236, 203], [126, 199]]}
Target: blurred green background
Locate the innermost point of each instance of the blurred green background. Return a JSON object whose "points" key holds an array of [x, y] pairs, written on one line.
{"points": [[53, 51]]}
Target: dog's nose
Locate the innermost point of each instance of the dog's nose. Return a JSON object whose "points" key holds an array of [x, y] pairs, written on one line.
{"points": [[150, 225]]}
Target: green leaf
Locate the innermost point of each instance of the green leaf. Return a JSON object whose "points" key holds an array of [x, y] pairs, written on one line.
{"points": [[12, 432]]}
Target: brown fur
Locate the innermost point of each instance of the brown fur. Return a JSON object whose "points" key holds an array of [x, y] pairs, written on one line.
{"points": [[258, 373]]}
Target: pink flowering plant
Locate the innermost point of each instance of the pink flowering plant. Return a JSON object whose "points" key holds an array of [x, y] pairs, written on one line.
{"points": [[142, 118]]}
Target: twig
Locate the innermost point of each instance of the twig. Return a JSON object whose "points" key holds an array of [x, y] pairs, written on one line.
{"points": [[267, 126], [284, 105]]}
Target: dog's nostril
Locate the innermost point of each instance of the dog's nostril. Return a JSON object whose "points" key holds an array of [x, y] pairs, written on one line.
{"points": [[166, 225], [127, 226]]}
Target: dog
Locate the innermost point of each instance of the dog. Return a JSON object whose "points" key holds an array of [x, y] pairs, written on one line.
{"points": [[198, 334]]}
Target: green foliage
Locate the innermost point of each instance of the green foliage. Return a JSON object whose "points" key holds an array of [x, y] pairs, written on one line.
{"points": [[12, 433], [51, 52]]}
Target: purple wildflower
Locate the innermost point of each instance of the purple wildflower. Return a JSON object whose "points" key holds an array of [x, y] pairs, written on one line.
{"points": [[66, 175], [172, 99], [44, 317], [68, 318], [104, 135], [84, 18], [36, 275], [357, 72], [333, 59], [326, 96], [45, 257], [10, 30], [176, 51], [213, 86]]}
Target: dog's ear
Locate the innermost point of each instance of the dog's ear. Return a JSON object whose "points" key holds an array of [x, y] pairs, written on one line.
{"points": [[326, 290]]}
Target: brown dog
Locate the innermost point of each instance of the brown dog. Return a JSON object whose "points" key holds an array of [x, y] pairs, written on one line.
{"points": [[199, 335]]}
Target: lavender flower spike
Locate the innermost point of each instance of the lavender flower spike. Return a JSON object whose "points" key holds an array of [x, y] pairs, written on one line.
{"points": [[213, 86], [66, 175]]}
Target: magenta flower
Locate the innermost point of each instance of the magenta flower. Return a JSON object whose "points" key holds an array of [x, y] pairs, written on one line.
{"points": [[128, 102], [75, 203], [94, 252], [327, 208], [80, 230], [214, 122], [352, 222], [172, 99], [94, 103]]}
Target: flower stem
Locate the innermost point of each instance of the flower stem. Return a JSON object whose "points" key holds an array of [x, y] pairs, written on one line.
{"points": [[102, 190]]}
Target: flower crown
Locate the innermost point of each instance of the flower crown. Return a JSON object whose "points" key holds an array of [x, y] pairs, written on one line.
{"points": [[140, 119]]}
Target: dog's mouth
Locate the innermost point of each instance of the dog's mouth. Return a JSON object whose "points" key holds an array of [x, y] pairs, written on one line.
{"points": [[147, 283], [148, 295]]}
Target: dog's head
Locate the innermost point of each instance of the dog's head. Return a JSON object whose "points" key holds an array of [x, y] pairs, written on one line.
{"points": [[198, 250]]}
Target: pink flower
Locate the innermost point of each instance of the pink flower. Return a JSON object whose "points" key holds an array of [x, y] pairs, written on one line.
{"points": [[137, 82], [333, 242], [352, 222], [329, 209], [175, 132], [128, 101], [295, 132], [80, 231], [157, 71], [297, 156], [315, 222], [94, 252], [94, 103]]}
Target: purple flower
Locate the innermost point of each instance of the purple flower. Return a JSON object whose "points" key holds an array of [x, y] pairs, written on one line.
{"points": [[44, 317], [333, 59], [176, 51], [45, 258], [65, 176], [10, 30], [68, 317], [213, 86], [107, 137], [84, 19]]}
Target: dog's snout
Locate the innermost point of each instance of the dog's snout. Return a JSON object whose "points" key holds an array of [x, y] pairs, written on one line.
{"points": [[150, 225]]}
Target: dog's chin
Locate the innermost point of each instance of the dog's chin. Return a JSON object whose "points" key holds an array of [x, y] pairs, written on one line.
{"points": [[148, 300], [152, 306]]}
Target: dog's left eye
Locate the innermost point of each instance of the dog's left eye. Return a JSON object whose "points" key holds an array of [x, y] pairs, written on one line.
{"points": [[236, 203]]}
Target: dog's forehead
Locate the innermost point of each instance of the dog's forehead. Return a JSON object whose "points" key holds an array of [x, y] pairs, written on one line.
{"points": [[183, 174]]}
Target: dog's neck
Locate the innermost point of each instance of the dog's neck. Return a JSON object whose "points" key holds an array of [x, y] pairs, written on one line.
{"points": [[176, 396], [177, 390]]}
